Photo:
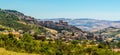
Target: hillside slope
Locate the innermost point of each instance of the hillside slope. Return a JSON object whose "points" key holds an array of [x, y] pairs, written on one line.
{"points": [[13, 19], [110, 31]]}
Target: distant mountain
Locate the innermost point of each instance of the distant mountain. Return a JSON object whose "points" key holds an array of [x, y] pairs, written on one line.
{"points": [[88, 24], [117, 21]]}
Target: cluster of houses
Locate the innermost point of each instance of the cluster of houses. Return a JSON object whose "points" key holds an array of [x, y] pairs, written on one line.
{"points": [[72, 32], [61, 25], [52, 24]]}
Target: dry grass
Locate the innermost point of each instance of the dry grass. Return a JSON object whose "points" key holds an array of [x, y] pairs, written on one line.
{"points": [[5, 52], [21, 22], [52, 31], [116, 50]]}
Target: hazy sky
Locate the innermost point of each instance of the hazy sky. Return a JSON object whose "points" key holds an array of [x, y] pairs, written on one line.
{"points": [[98, 9]]}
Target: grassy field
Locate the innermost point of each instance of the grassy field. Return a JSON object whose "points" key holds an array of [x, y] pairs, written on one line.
{"points": [[6, 52]]}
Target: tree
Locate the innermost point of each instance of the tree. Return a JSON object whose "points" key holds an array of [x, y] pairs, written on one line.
{"points": [[26, 38]]}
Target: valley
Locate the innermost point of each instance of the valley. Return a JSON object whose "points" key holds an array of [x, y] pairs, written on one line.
{"points": [[25, 34]]}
